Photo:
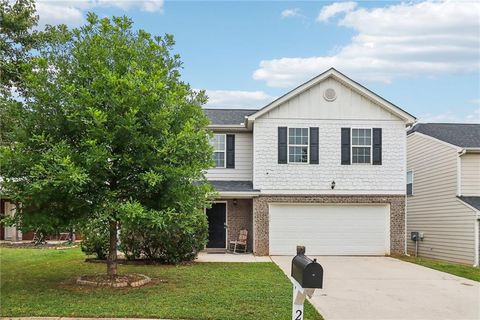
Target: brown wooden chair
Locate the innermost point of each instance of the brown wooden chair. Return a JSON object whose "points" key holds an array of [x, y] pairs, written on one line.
{"points": [[241, 242], [64, 236]]}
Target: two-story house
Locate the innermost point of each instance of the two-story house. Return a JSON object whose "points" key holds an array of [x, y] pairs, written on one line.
{"points": [[322, 166], [443, 187]]}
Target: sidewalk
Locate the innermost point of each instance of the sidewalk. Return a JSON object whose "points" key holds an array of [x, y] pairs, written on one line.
{"points": [[69, 318]]}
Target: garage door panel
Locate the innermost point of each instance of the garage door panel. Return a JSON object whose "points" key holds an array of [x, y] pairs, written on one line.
{"points": [[329, 230]]}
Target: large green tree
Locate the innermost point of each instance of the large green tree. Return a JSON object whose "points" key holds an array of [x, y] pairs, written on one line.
{"points": [[105, 121], [18, 37]]}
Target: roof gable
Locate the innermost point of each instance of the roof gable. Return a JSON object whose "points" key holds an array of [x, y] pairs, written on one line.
{"points": [[344, 80]]}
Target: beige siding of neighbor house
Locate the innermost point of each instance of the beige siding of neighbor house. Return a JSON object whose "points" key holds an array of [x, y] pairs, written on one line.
{"points": [[470, 173], [243, 160], [447, 224]]}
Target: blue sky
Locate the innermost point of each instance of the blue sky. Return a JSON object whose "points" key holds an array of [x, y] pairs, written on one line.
{"points": [[423, 56]]}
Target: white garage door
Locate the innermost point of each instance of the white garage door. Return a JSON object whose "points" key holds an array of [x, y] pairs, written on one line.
{"points": [[329, 229]]}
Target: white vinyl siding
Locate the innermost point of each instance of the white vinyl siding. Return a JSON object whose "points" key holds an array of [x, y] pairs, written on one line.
{"points": [[243, 161], [470, 173], [349, 110], [389, 178], [434, 209], [349, 229]]}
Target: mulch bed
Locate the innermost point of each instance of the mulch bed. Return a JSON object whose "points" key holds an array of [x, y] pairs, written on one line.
{"points": [[30, 245], [119, 281], [139, 262]]}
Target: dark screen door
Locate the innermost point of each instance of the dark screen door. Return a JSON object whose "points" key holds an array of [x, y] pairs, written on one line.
{"points": [[217, 215]]}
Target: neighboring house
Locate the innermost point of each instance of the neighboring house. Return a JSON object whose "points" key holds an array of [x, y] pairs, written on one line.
{"points": [[322, 166], [14, 234], [443, 173], [10, 233]]}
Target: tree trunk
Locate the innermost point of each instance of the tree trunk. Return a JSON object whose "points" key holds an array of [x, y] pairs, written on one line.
{"points": [[112, 252]]}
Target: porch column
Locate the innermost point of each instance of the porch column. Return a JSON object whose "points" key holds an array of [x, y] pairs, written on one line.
{"points": [[260, 226]]}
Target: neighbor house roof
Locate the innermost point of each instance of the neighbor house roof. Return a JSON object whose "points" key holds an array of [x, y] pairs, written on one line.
{"points": [[459, 134], [233, 186], [228, 116], [472, 201]]}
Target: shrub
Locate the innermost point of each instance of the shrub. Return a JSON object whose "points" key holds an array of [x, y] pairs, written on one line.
{"points": [[167, 236], [95, 238]]}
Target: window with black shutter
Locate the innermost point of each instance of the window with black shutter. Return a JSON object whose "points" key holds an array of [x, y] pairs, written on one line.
{"points": [[219, 154], [298, 145], [409, 183]]}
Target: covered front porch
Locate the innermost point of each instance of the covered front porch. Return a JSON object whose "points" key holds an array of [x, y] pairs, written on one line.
{"points": [[231, 212]]}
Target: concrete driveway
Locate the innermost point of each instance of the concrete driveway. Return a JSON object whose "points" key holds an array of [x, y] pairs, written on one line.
{"points": [[387, 288]]}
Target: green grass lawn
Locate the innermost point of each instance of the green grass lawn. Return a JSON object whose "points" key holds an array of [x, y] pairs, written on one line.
{"points": [[460, 270], [41, 282]]}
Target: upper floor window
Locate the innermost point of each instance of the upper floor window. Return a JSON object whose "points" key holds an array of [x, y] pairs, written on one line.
{"points": [[409, 183], [219, 154], [361, 145], [298, 145]]}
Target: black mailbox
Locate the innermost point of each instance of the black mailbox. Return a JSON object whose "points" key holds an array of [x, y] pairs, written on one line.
{"points": [[307, 272]]}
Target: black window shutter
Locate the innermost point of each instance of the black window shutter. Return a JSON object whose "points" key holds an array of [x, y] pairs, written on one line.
{"points": [[377, 146], [313, 145], [230, 151], [345, 145], [282, 145]]}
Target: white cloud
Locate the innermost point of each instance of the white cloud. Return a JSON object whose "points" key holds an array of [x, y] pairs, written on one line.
{"points": [[232, 99], [332, 10], [474, 116], [474, 101], [289, 13], [408, 39], [143, 5], [51, 13], [450, 116], [72, 12]]}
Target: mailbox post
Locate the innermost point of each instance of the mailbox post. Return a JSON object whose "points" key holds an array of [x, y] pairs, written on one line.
{"points": [[307, 275]]}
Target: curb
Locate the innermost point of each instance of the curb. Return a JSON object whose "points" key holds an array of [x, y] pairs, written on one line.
{"points": [[74, 318]]}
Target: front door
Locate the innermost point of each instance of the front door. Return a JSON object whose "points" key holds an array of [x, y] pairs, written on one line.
{"points": [[217, 218]]}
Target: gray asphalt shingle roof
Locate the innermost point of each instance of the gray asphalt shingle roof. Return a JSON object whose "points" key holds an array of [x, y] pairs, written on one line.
{"points": [[459, 134], [473, 201], [233, 186], [228, 116]]}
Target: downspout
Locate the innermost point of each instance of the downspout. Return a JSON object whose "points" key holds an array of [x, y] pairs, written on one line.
{"points": [[405, 249]]}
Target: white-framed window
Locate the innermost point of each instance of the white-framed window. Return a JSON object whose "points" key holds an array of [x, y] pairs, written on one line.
{"points": [[219, 144], [361, 145], [298, 140], [409, 182]]}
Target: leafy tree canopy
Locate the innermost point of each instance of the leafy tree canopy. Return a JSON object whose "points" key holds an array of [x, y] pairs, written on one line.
{"points": [[17, 39], [105, 120]]}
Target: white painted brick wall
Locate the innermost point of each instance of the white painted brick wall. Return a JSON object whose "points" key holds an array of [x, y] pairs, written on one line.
{"points": [[269, 175]]}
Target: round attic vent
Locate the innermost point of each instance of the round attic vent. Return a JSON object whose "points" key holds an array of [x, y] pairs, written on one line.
{"points": [[330, 94]]}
